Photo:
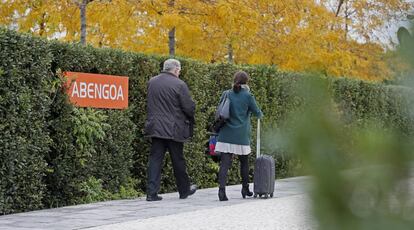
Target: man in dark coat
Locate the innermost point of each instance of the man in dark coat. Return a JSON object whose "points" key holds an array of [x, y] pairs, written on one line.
{"points": [[170, 113]]}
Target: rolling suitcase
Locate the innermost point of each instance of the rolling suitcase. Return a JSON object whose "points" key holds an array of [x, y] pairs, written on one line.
{"points": [[264, 172]]}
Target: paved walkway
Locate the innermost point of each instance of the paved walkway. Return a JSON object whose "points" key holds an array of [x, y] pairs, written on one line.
{"points": [[289, 209]]}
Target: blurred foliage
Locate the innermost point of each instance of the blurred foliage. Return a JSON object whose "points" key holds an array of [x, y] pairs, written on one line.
{"points": [[406, 46], [403, 57], [361, 172]]}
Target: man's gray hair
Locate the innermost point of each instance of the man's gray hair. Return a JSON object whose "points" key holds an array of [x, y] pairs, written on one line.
{"points": [[171, 64]]}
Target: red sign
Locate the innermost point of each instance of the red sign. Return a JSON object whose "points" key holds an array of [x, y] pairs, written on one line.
{"points": [[97, 90]]}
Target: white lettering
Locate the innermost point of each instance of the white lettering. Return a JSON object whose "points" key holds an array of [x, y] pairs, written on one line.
{"points": [[75, 90], [105, 91], [82, 87], [120, 93], [98, 91], [90, 90], [113, 89]]}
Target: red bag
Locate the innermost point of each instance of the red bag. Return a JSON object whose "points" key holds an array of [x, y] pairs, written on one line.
{"points": [[212, 145]]}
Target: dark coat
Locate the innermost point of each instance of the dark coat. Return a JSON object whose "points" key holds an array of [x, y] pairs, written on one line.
{"points": [[170, 109], [237, 129]]}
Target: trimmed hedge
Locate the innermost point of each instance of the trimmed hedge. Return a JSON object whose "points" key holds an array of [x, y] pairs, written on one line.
{"points": [[24, 107], [53, 154]]}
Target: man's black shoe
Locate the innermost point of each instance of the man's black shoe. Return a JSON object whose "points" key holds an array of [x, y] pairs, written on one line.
{"points": [[154, 198], [191, 191]]}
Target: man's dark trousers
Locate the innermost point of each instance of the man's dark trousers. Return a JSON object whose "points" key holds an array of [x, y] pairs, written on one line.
{"points": [[158, 148]]}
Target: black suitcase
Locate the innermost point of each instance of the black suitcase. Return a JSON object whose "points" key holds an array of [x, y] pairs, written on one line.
{"points": [[264, 172]]}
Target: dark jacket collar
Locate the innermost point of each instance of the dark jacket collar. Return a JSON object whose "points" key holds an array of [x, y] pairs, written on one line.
{"points": [[169, 73]]}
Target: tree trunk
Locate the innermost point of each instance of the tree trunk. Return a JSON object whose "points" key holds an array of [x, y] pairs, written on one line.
{"points": [[171, 42], [42, 25], [83, 21], [346, 20], [338, 9], [171, 34], [230, 53]]}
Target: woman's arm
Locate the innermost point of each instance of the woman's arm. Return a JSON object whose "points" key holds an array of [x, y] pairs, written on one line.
{"points": [[254, 108]]}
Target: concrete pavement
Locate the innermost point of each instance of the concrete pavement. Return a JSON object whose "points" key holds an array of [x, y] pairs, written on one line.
{"points": [[289, 209]]}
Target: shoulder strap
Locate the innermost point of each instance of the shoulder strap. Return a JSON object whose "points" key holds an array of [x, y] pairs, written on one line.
{"points": [[226, 94]]}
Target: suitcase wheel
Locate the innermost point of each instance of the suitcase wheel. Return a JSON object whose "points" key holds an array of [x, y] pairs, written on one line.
{"points": [[266, 196], [255, 195], [271, 194], [260, 195]]}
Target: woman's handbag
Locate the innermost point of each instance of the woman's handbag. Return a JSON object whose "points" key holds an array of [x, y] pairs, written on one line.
{"points": [[211, 146], [222, 113], [223, 109]]}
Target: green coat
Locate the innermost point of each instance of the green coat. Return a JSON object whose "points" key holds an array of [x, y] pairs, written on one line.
{"points": [[237, 129]]}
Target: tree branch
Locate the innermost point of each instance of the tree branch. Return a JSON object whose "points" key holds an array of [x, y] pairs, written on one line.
{"points": [[341, 2]]}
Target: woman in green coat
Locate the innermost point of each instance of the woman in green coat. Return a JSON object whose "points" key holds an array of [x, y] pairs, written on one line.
{"points": [[233, 138]]}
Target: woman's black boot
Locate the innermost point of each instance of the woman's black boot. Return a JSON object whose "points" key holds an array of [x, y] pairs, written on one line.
{"points": [[246, 192], [222, 194]]}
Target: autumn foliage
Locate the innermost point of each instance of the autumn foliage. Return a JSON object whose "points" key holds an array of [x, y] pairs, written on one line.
{"points": [[331, 37]]}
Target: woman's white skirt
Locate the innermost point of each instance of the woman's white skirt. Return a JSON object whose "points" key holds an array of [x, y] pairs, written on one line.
{"points": [[232, 148]]}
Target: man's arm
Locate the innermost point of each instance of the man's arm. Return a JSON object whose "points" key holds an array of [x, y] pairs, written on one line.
{"points": [[186, 102]]}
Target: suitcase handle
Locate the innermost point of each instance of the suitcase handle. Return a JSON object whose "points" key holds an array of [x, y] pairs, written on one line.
{"points": [[258, 139]]}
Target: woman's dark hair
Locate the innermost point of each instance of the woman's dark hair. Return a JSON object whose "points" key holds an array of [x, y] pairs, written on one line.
{"points": [[240, 78]]}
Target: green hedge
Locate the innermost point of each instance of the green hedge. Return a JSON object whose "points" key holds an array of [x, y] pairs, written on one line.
{"points": [[25, 101], [391, 106], [53, 154]]}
